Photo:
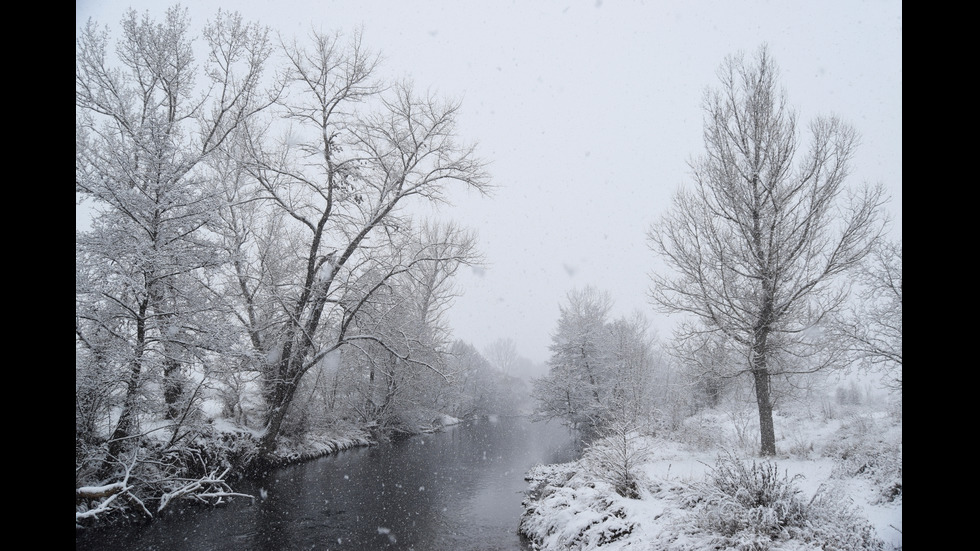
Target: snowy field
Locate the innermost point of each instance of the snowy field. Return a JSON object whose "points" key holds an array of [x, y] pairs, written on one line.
{"points": [[835, 484]]}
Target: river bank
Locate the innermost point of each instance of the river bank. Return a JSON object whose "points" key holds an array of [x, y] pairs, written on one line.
{"points": [[837, 484], [316, 444], [207, 468]]}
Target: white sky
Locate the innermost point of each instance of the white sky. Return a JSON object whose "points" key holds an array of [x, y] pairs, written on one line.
{"points": [[588, 112]]}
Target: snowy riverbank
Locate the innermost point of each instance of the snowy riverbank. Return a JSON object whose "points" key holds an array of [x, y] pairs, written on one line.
{"points": [[323, 442], [842, 486]]}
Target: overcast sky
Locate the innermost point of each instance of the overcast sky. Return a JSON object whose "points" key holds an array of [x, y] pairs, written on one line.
{"points": [[589, 112]]}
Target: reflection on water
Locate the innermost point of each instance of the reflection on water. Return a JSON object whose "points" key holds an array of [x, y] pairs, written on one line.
{"points": [[460, 489]]}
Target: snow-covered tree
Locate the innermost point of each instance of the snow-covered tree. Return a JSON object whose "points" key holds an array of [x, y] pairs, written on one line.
{"points": [[758, 245], [576, 387], [478, 388], [474, 386], [600, 370], [148, 116]]}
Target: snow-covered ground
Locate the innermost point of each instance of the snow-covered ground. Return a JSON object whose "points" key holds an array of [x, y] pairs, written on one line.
{"points": [[845, 470]]}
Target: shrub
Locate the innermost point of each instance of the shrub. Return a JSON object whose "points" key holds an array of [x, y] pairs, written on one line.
{"points": [[849, 396], [754, 499], [702, 432], [868, 449], [565, 509], [800, 445], [617, 457], [836, 525], [752, 507]]}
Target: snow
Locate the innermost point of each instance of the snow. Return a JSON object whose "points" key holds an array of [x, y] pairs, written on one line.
{"points": [[569, 507], [387, 531], [445, 420], [104, 489]]}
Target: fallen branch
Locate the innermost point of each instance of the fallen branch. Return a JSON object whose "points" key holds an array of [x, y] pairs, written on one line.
{"points": [[211, 486], [111, 492], [98, 492], [205, 489]]}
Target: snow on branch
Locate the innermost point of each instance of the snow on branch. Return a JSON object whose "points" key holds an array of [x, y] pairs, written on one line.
{"points": [[207, 487]]}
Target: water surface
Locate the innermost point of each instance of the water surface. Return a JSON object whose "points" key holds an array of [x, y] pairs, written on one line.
{"points": [[460, 489]]}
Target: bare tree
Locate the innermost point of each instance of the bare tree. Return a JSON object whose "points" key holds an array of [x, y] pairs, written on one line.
{"points": [[632, 361], [872, 329], [502, 354], [430, 286], [404, 358], [618, 457], [707, 366], [352, 155], [760, 240]]}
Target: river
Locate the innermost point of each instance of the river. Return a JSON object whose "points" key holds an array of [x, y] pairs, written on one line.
{"points": [[459, 489]]}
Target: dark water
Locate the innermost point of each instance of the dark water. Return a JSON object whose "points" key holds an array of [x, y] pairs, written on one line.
{"points": [[460, 489]]}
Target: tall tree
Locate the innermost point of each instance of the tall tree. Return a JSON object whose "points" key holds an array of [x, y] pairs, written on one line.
{"points": [[147, 117], [631, 360], [353, 154], [708, 367], [476, 384], [760, 240]]}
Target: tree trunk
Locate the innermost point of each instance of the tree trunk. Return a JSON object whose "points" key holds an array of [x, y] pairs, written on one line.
{"points": [[767, 430], [161, 293], [290, 368], [277, 413], [127, 424], [128, 420], [763, 393], [173, 387], [369, 405]]}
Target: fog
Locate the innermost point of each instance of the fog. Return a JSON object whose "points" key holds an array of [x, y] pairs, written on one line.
{"points": [[588, 113]]}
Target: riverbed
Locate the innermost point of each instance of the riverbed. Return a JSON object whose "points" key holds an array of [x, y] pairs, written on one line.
{"points": [[459, 489]]}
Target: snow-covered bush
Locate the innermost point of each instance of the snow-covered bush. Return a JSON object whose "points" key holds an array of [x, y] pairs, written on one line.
{"points": [[751, 502], [704, 431], [869, 448], [745, 422], [800, 445], [850, 395], [155, 474], [567, 508], [617, 457], [835, 524], [754, 508], [881, 464], [828, 410], [799, 434]]}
